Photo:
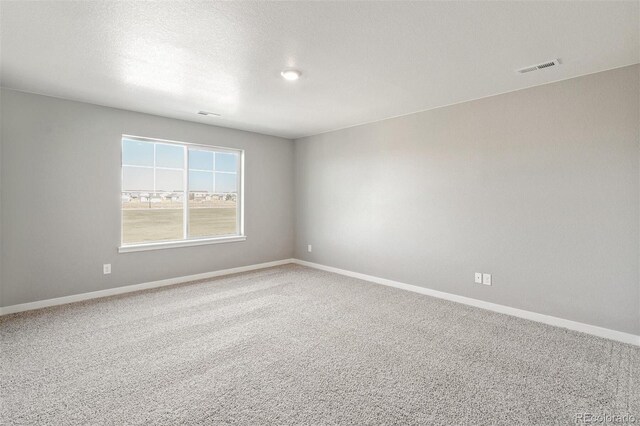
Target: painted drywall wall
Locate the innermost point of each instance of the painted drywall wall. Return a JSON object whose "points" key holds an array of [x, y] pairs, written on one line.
{"points": [[61, 203], [538, 187], [1, 144]]}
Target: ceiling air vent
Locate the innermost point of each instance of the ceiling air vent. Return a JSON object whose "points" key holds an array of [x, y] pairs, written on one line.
{"points": [[541, 66], [212, 114]]}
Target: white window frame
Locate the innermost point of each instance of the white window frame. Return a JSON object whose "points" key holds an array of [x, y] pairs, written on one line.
{"points": [[195, 241]]}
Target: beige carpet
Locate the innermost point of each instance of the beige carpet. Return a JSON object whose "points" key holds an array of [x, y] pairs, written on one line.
{"points": [[292, 345]]}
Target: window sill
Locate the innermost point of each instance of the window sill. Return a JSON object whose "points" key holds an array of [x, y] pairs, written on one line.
{"points": [[183, 243]]}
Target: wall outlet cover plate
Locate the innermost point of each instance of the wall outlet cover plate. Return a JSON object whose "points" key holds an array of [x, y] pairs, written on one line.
{"points": [[486, 279]]}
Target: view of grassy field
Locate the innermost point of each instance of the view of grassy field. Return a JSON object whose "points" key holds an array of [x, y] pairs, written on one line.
{"points": [[156, 224]]}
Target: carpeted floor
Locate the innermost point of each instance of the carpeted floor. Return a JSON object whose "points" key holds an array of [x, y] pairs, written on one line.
{"points": [[292, 345]]}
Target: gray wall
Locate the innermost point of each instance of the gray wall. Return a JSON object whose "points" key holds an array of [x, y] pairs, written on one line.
{"points": [[538, 187], [60, 189]]}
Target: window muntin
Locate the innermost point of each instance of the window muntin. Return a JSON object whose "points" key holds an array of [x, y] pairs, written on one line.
{"points": [[174, 191]]}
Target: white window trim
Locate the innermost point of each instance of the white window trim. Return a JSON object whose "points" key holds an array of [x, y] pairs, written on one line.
{"points": [[128, 248], [199, 241]]}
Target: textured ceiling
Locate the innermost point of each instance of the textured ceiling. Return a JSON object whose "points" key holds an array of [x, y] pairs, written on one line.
{"points": [[360, 61]]}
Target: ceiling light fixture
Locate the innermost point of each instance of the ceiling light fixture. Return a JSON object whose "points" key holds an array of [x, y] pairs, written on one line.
{"points": [[290, 74], [212, 114]]}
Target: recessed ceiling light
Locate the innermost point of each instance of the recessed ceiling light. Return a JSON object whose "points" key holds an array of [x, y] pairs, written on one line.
{"points": [[212, 114], [290, 75]]}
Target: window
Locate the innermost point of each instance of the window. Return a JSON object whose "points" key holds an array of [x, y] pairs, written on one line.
{"points": [[177, 194]]}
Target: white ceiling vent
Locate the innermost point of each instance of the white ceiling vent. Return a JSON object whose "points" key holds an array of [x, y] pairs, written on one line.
{"points": [[541, 66], [212, 114]]}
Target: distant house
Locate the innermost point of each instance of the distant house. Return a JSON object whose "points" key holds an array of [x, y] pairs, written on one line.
{"points": [[199, 196]]}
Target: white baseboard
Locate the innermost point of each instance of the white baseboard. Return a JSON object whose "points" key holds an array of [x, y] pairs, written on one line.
{"points": [[533, 316], [135, 287]]}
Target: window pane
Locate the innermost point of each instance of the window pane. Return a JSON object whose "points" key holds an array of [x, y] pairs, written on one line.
{"points": [[200, 160], [226, 162], [137, 178], [169, 156], [201, 181], [169, 180], [212, 215], [148, 216], [154, 193], [135, 153], [226, 182]]}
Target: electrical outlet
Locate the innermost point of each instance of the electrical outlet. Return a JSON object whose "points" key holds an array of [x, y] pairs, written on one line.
{"points": [[309, 248], [486, 279], [106, 268], [478, 277]]}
